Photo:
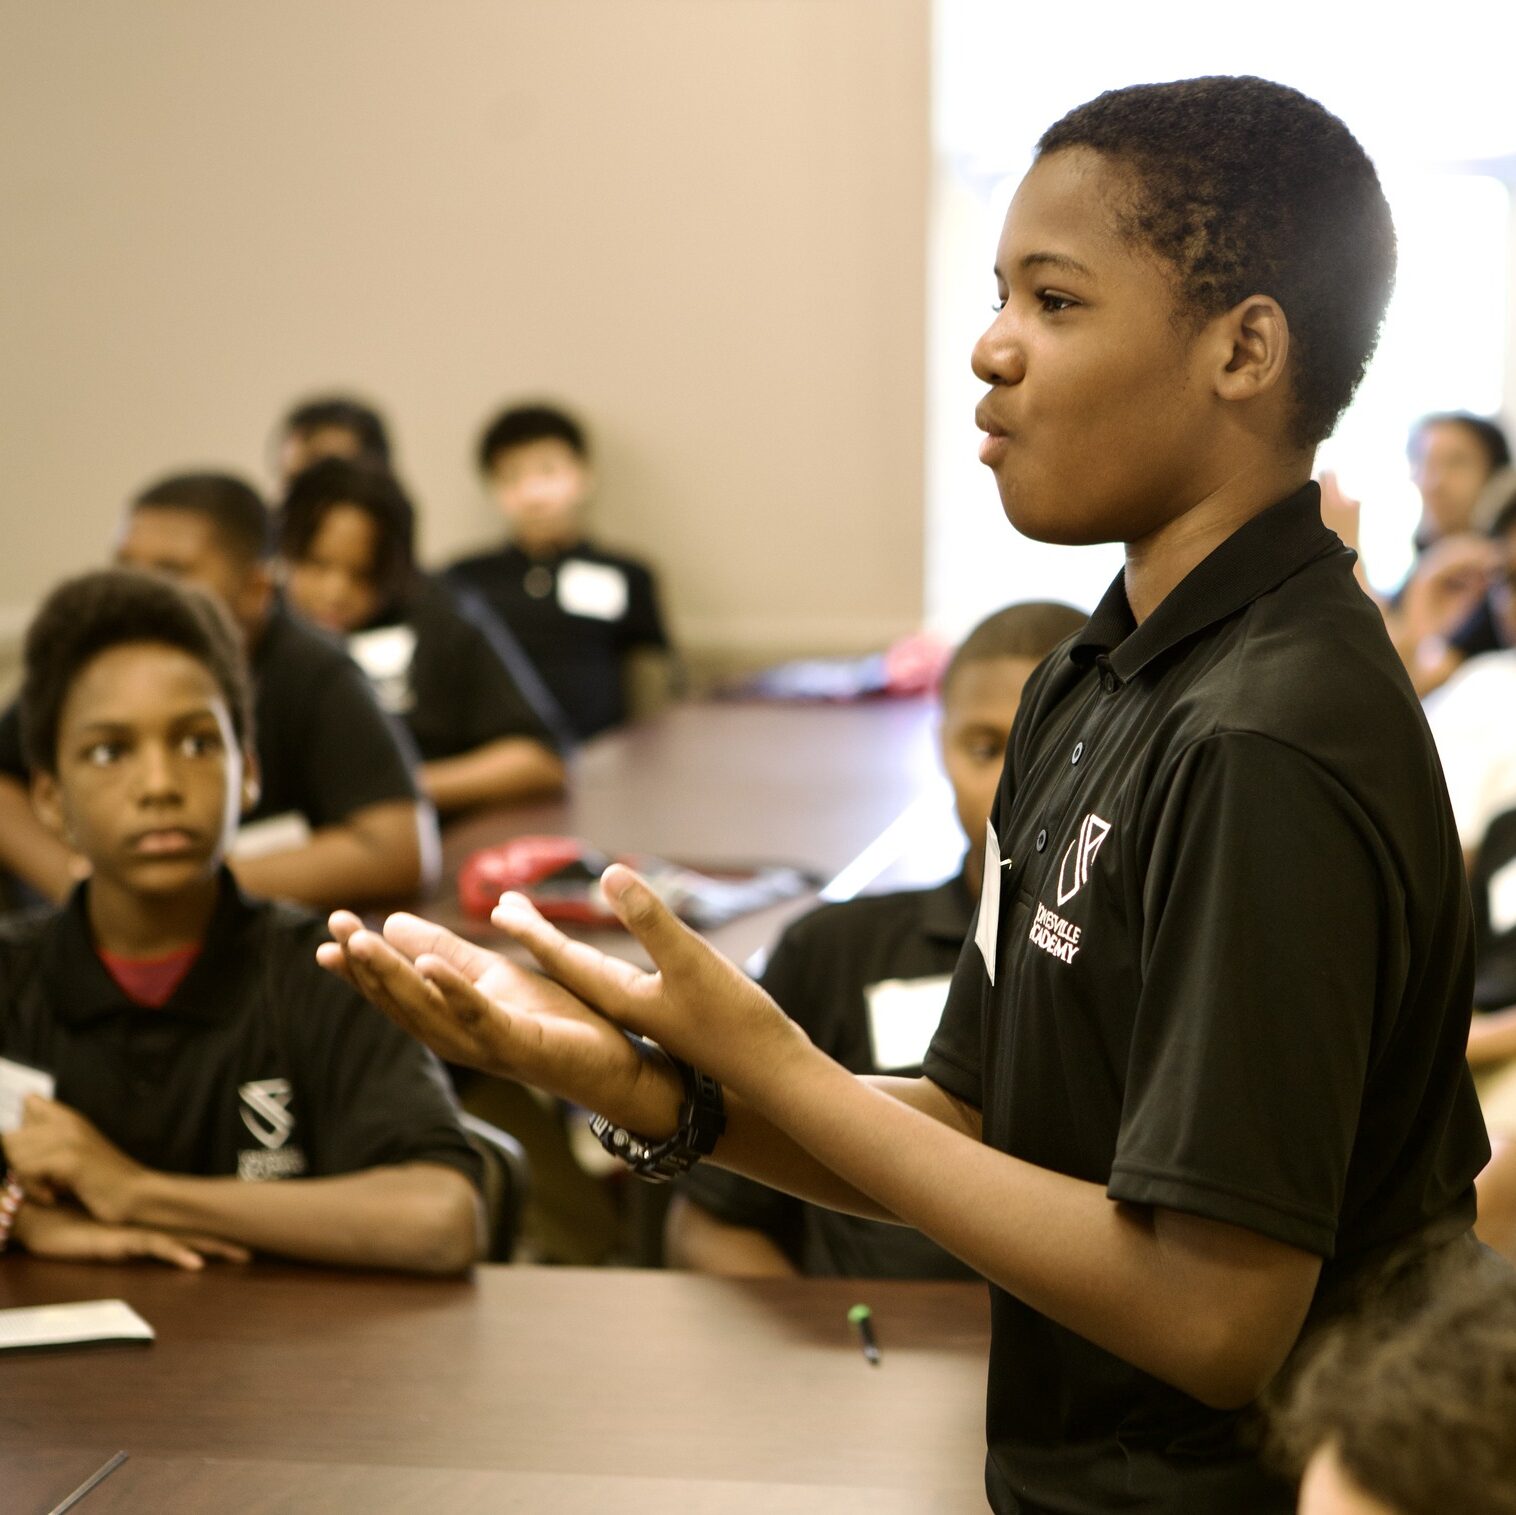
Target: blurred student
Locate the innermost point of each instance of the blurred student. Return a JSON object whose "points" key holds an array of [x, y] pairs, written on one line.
{"points": [[477, 711], [333, 426], [1411, 1414], [582, 614], [1202, 1061], [338, 817], [866, 980], [215, 1092], [1441, 615]]}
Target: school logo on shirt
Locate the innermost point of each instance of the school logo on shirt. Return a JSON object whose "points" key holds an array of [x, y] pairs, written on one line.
{"points": [[266, 1113], [1056, 936]]}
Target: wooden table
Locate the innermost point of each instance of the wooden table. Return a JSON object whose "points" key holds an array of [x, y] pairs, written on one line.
{"points": [[834, 790], [533, 1390]]}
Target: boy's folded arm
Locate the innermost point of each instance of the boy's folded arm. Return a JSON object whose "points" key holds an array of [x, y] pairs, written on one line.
{"points": [[418, 1216], [509, 768], [384, 851], [27, 848]]}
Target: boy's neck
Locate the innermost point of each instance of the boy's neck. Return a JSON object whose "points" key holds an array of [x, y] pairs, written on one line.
{"points": [[1160, 561], [551, 546], [142, 926]]}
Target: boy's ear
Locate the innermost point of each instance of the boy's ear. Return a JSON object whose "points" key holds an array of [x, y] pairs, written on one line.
{"points": [[1254, 349], [47, 801], [252, 780]]}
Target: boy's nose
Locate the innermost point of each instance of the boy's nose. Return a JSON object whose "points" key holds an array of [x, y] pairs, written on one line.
{"points": [[997, 357], [157, 774]]}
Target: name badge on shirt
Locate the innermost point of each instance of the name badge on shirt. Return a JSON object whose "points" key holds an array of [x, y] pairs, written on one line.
{"points": [[595, 590], [987, 930], [1502, 898], [385, 655], [17, 1080], [903, 1017]]}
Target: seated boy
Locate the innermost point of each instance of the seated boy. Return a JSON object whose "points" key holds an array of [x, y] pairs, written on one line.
{"points": [[867, 980], [579, 612], [333, 426], [338, 816], [195, 1047], [474, 706]]}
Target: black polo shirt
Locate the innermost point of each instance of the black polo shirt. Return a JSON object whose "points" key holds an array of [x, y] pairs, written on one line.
{"points": [[261, 1065], [866, 979], [577, 614], [325, 749], [1232, 975], [455, 676]]}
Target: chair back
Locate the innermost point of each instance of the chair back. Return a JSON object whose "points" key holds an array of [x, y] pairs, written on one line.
{"points": [[507, 1182]]}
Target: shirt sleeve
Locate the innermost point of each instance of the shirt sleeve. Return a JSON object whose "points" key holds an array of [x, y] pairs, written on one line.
{"points": [[352, 755], [952, 1061], [1271, 913], [643, 625], [373, 1096]]}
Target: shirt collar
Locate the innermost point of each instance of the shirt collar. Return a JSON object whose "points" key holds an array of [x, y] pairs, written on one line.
{"points": [[1257, 557], [81, 990]]}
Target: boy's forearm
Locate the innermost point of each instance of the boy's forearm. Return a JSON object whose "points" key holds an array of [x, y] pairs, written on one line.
{"points": [[384, 852], [1492, 1038], [421, 1217], [514, 768], [696, 1240], [27, 848], [1209, 1308]]}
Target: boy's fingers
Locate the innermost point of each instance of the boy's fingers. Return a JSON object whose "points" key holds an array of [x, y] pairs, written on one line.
{"points": [[214, 1246], [164, 1249], [672, 945], [414, 936], [607, 983]]}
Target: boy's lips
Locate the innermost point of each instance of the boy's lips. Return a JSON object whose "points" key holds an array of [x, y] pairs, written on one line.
{"points": [[164, 841]]}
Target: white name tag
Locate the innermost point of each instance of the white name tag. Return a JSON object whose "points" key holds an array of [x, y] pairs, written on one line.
{"points": [[17, 1080], [987, 931], [1502, 897], [903, 1018], [595, 590], [385, 655]]}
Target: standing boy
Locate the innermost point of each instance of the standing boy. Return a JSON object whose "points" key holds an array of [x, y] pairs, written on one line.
{"points": [[1202, 1064], [579, 612], [866, 980], [209, 1081], [338, 817]]}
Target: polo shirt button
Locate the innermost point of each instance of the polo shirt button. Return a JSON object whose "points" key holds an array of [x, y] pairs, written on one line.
{"points": [[1078, 752], [1108, 681], [1042, 840]]}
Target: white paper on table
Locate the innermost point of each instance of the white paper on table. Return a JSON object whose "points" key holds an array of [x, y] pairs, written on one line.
{"points": [[91, 1320], [17, 1080]]}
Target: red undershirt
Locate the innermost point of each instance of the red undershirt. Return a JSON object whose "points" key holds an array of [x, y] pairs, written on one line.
{"points": [[150, 981]]}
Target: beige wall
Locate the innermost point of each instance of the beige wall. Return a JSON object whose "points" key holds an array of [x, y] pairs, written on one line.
{"points": [[701, 221]]}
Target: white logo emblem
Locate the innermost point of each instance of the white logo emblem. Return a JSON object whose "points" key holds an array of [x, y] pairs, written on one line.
{"points": [[265, 1110], [1081, 852]]}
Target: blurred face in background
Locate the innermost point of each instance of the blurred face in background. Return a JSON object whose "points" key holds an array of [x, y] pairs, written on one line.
{"points": [[187, 546], [334, 582], [300, 449], [541, 489], [1449, 466]]}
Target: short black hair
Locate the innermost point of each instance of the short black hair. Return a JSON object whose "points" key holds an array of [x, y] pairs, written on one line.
{"points": [[1245, 187], [1031, 629], [112, 607], [330, 482], [1487, 432], [523, 424], [343, 413], [235, 509]]}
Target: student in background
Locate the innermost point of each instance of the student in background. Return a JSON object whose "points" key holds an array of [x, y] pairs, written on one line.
{"points": [[334, 426], [1411, 1413], [474, 706], [866, 981], [215, 1092], [338, 816], [581, 613], [1202, 1064]]}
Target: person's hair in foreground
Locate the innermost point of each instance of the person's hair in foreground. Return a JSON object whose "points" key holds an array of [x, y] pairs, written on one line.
{"points": [[90, 615], [1243, 186], [1415, 1414], [1026, 632], [521, 425], [233, 508]]}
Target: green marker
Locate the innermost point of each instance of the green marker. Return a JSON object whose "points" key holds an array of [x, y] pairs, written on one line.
{"points": [[863, 1317]]}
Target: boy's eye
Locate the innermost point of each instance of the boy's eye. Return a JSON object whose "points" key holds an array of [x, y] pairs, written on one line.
{"points": [[1052, 303], [201, 743], [997, 306], [103, 753]]}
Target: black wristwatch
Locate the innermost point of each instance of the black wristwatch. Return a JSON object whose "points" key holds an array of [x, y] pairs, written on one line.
{"points": [[702, 1119]]}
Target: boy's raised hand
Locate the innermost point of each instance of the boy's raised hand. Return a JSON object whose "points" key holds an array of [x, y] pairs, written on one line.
{"points": [[475, 1007], [697, 1005]]}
